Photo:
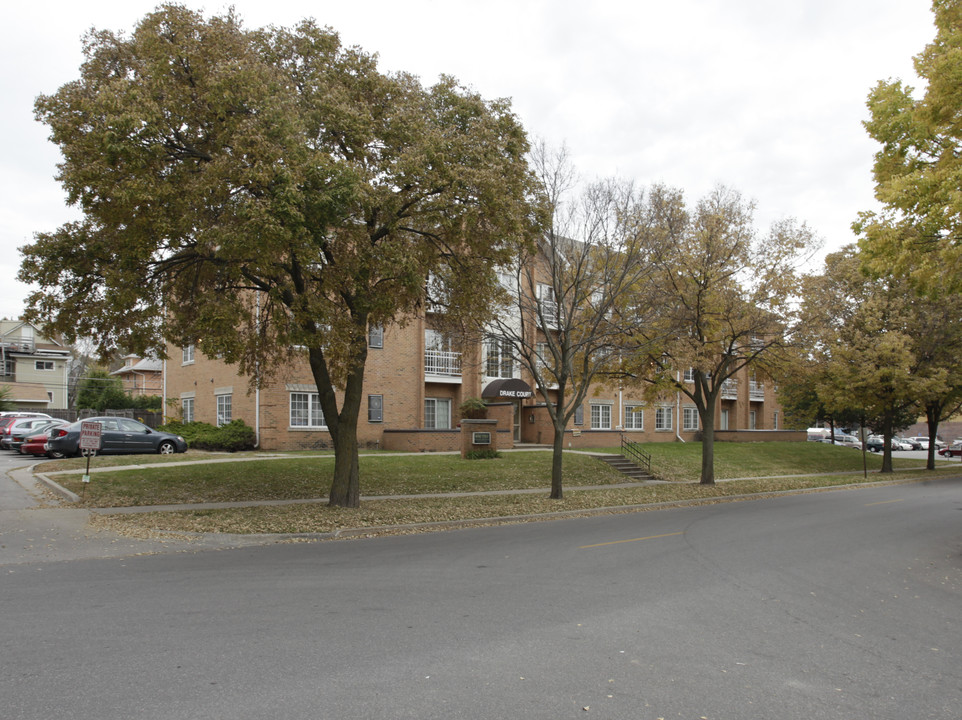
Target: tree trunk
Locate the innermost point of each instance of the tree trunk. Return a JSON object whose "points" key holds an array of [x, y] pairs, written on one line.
{"points": [[932, 420], [707, 443], [558, 446], [886, 451], [346, 485]]}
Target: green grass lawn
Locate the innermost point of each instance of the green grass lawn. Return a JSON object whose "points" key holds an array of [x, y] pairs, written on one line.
{"points": [[299, 477], [795, 467]]}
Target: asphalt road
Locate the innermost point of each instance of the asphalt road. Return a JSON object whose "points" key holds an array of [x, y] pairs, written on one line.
{"points": [[833, 605]]}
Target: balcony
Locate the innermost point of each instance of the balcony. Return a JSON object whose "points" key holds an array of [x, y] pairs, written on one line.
{"points": [[18, 345], [729, 390], [550, 312], [756, 390], [442, 366]]}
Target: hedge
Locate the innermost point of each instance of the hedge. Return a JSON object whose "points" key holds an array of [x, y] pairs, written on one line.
{"points": [[232, 437]]}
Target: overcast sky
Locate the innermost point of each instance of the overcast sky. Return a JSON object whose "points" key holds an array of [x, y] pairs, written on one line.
{"points": [[764, 96]]}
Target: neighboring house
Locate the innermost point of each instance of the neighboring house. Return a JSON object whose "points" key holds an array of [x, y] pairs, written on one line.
{"points": [[33, 366], [141, 376], [415, 380]]}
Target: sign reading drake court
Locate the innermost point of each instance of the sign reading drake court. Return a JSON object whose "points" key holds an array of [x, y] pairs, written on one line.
{"points": [[507, 389]]}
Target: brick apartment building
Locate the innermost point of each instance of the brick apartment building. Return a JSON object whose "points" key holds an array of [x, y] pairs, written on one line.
{"points": [[414, 384]]}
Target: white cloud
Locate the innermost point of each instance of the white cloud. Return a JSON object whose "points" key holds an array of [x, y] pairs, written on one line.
{"points": [[766, 97]]}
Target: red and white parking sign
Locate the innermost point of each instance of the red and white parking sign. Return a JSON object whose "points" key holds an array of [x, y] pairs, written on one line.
{"points": [[90, 435]]}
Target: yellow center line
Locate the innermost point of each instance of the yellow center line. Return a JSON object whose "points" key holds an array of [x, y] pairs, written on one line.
{"points": [[616, 542], [883, 502]]}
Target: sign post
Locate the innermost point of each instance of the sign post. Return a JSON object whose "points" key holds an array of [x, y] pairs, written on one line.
{"points": [[89, 444]]}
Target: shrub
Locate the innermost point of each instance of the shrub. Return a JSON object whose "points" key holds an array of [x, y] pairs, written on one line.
{"points": [[232, 437], [481, 454]]}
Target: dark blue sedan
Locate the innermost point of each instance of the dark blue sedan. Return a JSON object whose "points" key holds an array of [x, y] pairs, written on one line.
{"points": [[117, 436]]}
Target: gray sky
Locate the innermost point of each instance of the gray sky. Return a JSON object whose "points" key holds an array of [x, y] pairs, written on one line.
{"points": [[767, 97]]}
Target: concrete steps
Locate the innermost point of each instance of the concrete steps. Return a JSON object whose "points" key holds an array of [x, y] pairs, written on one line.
{"points": [[625, 467]]}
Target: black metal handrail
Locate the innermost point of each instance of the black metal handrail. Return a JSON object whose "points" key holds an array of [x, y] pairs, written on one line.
{"points": [[633, 451]]}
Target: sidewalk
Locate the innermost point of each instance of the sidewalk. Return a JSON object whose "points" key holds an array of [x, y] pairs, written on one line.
{"points": [[33, 531]]}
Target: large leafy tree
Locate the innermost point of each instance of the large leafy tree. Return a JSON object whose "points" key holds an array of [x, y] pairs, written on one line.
{"points": [[884, 352], [861, 338], [724, 294], [99, 391], [918, 170], [255, 191], [564, 302]]}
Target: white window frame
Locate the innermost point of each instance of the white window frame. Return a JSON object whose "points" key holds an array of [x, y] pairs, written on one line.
{"points": [[634, 417], [498, 355], [305, 411], [689, 422], [187, 409], [375, 336], [187, 354], [43, 365], [775, 420], [663, 416], [431, 416], [225, 408], [752, 420], [600, 416]]}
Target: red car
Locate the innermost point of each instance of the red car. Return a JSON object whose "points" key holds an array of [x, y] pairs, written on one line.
{"points": [[954, 450], [36, 444]]}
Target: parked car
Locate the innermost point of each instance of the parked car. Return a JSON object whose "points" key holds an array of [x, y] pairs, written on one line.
{"points": [[37, 444], [17, 426], [118, 436], [953, 450], [875, 443], [846, 440], [15, 433], [912, 443]]}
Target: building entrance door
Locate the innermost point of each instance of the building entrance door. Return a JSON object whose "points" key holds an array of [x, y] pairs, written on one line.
{"points": [[517, 421]]}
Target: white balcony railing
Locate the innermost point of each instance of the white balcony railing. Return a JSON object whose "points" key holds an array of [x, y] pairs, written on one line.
{"points": [[442, 363], [551, 313], [756, 390], [729, 390]]}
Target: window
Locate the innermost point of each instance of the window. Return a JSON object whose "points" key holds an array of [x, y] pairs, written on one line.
{"points": [[437, 413], [723, 423], [689, 419], [375, 408], [751, 420], [775, 420], [187, 353], [9, 368], [634, 417], [601, 417], [663, 417], [690, 375], [43, 364], [580, 415], [224, 411], [375, 336], [306, 410], [548, 305], [187, 409], [499, 361]]}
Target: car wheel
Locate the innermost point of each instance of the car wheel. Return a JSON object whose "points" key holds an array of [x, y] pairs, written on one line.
{"points": [[54, 455], [166, 448]]}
